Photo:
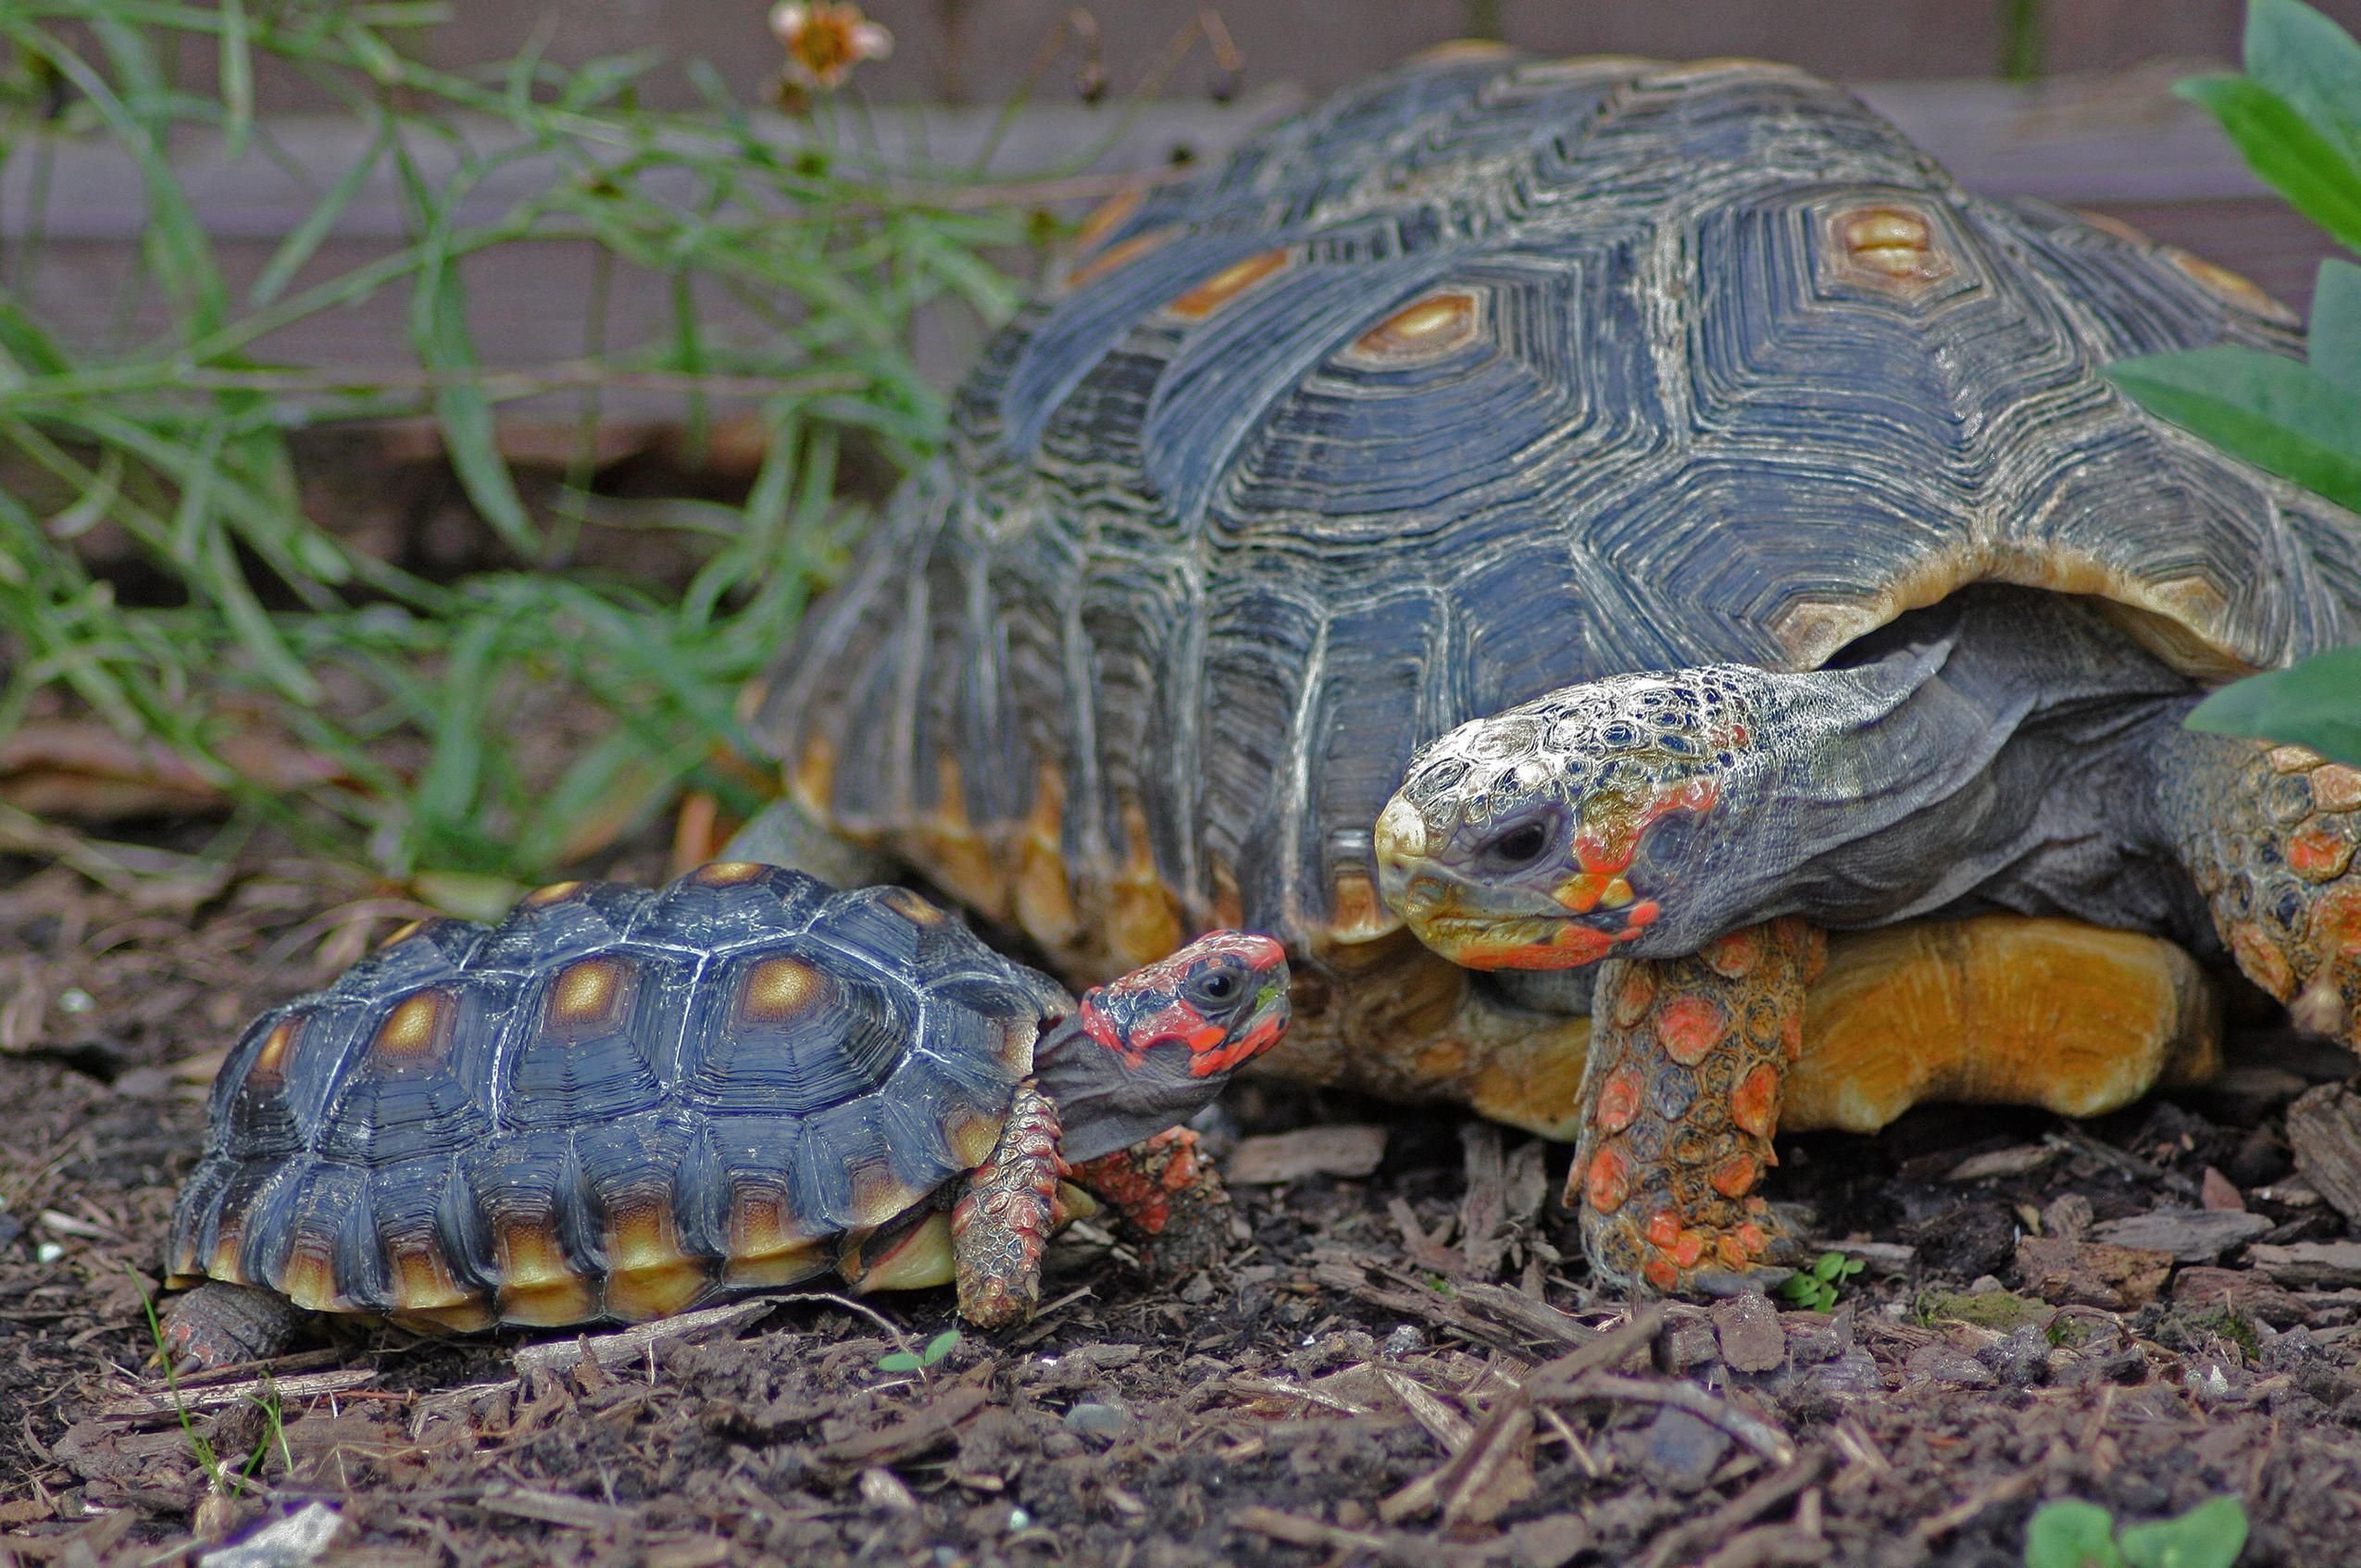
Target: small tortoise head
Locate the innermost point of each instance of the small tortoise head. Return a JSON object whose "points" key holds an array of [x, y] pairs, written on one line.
{"points": [[1554, 834], [1150, 1049]]}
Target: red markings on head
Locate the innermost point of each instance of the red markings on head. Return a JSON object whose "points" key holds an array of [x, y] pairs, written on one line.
{"points": [[1604, 850], [1160, 1004]]}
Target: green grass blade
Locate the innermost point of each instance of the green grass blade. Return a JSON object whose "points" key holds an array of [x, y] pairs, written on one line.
{"points": [[2275, 413], [304, 241], [237, 79]]}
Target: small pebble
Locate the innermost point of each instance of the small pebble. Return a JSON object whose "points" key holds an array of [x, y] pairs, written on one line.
{"points": [[1683, 1451], [1405, 1340], [73, 998], [1104, 1423], [50, 1251]]}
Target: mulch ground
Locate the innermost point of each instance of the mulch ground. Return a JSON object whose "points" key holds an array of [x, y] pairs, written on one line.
{"points": [[1402, 1365]]}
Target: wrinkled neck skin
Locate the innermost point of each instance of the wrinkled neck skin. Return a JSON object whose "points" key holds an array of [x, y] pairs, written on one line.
{"points": [[1995, 751], [1105, 1104]]}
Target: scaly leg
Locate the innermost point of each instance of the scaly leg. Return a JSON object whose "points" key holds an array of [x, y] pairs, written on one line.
{"points": [[1004, 1216], [1681, 1098], [1171, 1194]]}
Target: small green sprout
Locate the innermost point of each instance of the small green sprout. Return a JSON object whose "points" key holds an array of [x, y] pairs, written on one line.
{"points": [[2083, 1534], [1816, 1288], [937, 1348]]}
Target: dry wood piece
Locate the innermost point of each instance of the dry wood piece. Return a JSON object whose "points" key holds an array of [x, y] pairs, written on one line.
{"points": [[1494, 1471], [630, 1345], [2309, 1264], [1392, 1547], [2324, 1129], [2191, 1236], [559, 1508], [911, 1436], [2249, 1291], [1685, 1541], [308, 1385], [2091, 1273], [2023, 1160], [1351, 1151], [1483, 1209], [1760, 1436], [1748, 1328], [1609, 1348]]}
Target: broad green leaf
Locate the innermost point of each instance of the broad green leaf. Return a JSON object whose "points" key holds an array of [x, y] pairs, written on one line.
{"points": [[2272, 411], [2209, 1536], [2071, 1535], [2310, 62], [2335, 347], [2314, 704], [2309, 170]]}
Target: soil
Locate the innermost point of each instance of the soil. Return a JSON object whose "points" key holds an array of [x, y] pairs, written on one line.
{"points": [[1406, 1365]]}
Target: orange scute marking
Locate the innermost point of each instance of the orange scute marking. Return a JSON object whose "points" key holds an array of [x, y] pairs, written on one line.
{"points": [[1632, 1001], [1735, 1176], [1608, 1181], [2319, 854], [1618, 1100], [1754, 1104], [1228, 284], [1580, 892], [1732, 956], [1689, 1026]]}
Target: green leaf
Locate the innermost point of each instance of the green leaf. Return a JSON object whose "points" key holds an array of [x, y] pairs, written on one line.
{"points": [[2276, 414], [2312, 63], [2314, 704], [2335, 351], [942, 1345], [2283, 147], [2071, 1535], [899, 1361], [2209, 1536]]}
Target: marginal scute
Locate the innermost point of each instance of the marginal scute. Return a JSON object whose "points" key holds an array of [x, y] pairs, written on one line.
{"points": [[726, 873], [647, 1274], [1116, 257], [555, 892], [1105, 219], [2234, 287]]}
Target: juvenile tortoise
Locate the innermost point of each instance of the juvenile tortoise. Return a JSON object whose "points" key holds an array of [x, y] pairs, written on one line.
{"points": [[1491, 379], [622, 1102]]}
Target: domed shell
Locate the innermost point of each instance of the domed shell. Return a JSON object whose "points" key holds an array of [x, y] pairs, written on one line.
{"points": [[615, 1103], [1482, 379]]}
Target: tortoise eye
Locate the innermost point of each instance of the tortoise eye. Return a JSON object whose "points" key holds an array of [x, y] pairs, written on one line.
{"points": [[1519, 847], [1214, 987]]}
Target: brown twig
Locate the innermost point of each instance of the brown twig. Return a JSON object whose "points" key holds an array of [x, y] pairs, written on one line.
{"points": [[1764, 1439]]}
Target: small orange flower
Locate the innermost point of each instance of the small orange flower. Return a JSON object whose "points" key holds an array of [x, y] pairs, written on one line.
{"points": [[825, 41]]}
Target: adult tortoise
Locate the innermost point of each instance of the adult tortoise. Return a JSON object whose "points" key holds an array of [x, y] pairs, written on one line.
{"points": [[621, 1102], [1460, 400]]}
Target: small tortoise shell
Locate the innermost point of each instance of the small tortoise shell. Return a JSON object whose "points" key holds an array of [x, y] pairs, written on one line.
{"points": [[613, 1104]]}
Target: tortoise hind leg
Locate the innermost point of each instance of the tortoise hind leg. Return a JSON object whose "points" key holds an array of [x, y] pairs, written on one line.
{"points": [[220, 1325]]}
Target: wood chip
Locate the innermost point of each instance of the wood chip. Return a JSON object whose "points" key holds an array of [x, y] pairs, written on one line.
{"points": [[1686, 1540], [1494, 1471], [913, 1434], [2091, 1273], [1748, 1328], [2309, 1264], [630, 1346], [2191, 1236], [1758, 1434], [2324, 1129], [2023, 1160], [2219, 1191], [559, 1508], [1351, 1151], [1483, 1207], [287, 1389], [1441, 1422]]}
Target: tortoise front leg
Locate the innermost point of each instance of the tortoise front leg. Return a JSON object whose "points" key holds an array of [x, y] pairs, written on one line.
{"points": [[218, 1325], [1171, 1194], [1680, 1099], [1007, 1210]]}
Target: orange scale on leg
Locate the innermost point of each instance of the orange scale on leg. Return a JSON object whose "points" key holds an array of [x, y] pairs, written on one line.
{"points": [[1688, 1248], [1608, 1181], [1736, 1175], [1660, 1272], [1689, 1026], [1750, 1238], [1619, 1100], [1633, 998], [1754, 1104], [1733, 955], [1663, 1229]]}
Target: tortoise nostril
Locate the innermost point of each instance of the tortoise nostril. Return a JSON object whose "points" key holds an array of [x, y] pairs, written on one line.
{"points": [[1424, 892]]}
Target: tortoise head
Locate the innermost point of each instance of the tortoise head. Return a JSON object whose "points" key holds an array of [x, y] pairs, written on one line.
{"points": [[1585, 822], [1150, 1049]]}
